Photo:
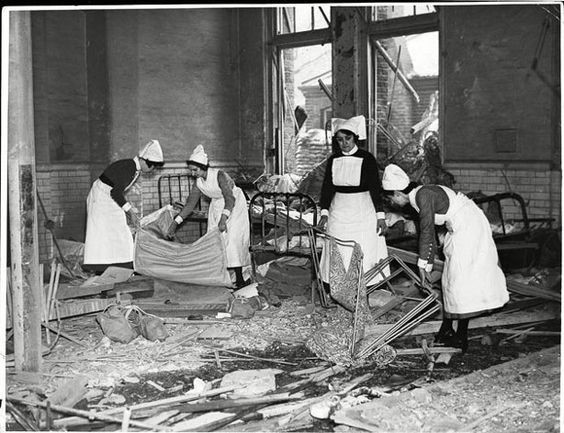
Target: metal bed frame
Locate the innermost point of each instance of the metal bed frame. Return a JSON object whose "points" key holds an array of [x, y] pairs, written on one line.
{"points": [[174, 189], [272, 228], [275, 221]]}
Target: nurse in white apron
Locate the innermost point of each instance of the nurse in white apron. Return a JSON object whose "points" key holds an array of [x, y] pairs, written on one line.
{"points": [[227, 211], [351, 200], [109, 241], [472, 281]]}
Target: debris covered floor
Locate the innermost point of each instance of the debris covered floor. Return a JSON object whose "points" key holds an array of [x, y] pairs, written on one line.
{"points": [[509, 380]]}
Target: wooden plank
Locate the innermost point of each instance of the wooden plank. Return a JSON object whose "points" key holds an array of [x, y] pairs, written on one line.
{"points": [[230, 403], [215, 333], [516, 246], [539, 333], [77, 307], [494, 320], [410, 257], [179, 310], [70, 291], [80, 307], [433, 350], [136, 283], [396, 300], [535, 291]]}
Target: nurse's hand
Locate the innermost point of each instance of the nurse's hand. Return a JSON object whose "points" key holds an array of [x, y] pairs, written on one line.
{"points": [[222, 224], [381, 227], [425, 278], [322, 224], [171, 230], [133, 218]]}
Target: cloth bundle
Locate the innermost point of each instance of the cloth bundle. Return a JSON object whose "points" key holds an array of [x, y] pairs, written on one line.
{"points": [[333, 342], [124, 324], [203, 262]]}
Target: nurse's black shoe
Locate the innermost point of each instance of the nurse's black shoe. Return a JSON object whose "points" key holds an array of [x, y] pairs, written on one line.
{"points": [[446, 331], [444, 336], [241, 284], [456, 341]]}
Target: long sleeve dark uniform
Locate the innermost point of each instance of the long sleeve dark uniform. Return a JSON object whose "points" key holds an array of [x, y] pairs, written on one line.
{"points": [[369, 181], [119, 176], [431, 200]]}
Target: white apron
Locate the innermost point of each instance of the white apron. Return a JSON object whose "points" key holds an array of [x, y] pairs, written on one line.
{"points": [[108, 237], [236, 237], [472, 281], [353, 217]]}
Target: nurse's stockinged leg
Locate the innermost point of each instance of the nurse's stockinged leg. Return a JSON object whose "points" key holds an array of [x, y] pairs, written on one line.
{"points": [[462, 334], [239, 280]]}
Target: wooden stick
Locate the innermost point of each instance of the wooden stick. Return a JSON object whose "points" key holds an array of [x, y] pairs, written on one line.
{"points": [[517, 334], [155, 385], [64, 335], [541, 333], [225, 404], [494, 320], [180, 321], [9, 296], [217, 361], [48, 300], [126, 419], [432, 350], [65, 422], [248, 356], [55, 288], [83, 413], [307, 371]]}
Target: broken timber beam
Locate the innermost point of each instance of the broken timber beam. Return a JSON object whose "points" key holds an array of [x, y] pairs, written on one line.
{"points": [[534, 291], [179, 309], [500, 319], [396, 70], [226, 404], [85, 413], [135, 284], [410, 257], [432, 350], [24, 252], [170, 402]]}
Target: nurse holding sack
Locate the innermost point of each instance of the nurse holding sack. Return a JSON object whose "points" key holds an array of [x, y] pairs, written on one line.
{"points": [[351, 199], [472, 281], [227, 211], [109, 241]]}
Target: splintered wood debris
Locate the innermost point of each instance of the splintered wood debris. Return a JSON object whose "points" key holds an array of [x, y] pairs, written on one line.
{"points": [[93, 367]]}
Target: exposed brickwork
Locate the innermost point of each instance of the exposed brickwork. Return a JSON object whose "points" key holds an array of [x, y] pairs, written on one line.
{"points": [[539, 187], [63, 192]]}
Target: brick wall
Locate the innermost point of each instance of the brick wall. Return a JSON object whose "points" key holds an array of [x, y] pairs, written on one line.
{"points": [[425, 87], [318, 107], [539, 186], [63, 190]]}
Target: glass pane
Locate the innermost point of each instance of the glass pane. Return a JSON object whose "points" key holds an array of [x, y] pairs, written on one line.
{"points": [[406, 102], [307, 107], [380, 13], [302, 18]]}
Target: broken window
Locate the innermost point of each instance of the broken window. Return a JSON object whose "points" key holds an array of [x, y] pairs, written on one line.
{"points": [[302, 94], [404, 91], [401, 10], [301, 18]]}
